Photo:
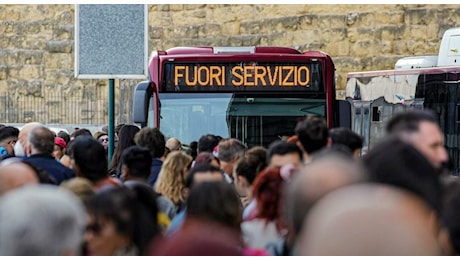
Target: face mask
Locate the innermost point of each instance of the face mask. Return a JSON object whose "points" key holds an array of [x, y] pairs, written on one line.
{"points": [[18, 149]]}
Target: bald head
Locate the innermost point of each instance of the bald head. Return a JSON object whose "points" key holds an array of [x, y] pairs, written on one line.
{"points": [[26, 129], [15, 174], [369, 219], [173, 144]]}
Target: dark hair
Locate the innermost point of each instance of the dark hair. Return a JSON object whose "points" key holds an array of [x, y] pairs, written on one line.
{"points": [[153, 139], [215, 201], [90, 157], [64, 136], [202, 168], [81, 131], [347, 137], [408, 121], [395, 162], [253, 162], [282, 148], [450, 213], [138, 160], [191, 150], [334, 149], [207, 142], [118, 128], [7, 132], [133, 210], [125, 139], [42, 139], [205, 158], [312, 133]]}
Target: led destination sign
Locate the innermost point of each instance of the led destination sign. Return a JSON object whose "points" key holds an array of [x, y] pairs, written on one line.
{"points": [[194, 77]]}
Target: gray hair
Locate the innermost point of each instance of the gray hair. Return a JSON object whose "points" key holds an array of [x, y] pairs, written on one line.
{"points": [[42, 220], [229, 148]]}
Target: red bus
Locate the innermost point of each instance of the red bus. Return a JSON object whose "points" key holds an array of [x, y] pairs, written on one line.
{"points": [[255, 94]]}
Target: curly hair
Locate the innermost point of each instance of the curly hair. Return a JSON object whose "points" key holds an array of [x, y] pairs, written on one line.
{"points": [[171, 179]]}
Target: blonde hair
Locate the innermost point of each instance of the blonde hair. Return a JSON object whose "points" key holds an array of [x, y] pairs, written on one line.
{"points": [[171, 177]]}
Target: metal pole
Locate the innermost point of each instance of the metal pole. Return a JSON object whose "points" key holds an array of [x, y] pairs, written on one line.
{"points": [[111, 124]]}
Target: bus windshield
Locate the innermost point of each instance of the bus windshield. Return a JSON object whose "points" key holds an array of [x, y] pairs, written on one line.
{"points": [[256, 119]]}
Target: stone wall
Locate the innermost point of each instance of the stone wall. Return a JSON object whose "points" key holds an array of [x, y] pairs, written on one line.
{"points": [[37, 55]]}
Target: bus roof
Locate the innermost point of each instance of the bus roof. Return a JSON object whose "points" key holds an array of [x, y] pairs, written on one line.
{"points": [[433, 70], [208, 50]]}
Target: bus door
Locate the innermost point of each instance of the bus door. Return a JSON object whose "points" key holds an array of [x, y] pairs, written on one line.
{"points": [[381, 112], [259, 120], [360, 120]]}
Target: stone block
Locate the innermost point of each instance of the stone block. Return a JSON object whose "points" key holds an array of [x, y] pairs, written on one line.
{"points": [[232, 28], [63, 32], [60, 46], [155, 32], [210, 30]]}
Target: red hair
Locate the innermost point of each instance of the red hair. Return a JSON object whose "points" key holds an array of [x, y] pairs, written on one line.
{"points": [[267, 189]]}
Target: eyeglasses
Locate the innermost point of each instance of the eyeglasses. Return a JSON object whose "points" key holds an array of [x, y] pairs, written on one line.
{"points": [[103, 139]]}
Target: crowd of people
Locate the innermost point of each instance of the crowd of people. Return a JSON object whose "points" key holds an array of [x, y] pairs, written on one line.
{"points": [[313, 193]]}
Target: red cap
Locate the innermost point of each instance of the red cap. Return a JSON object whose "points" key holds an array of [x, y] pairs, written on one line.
{"points": [[59, 141]]}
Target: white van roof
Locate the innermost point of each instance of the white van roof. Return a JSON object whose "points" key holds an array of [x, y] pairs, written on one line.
{"points": [[416, 62], [449, 51]]}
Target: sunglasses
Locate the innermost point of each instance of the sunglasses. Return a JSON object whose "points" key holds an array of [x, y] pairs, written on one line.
{"points": [[103, 139]]}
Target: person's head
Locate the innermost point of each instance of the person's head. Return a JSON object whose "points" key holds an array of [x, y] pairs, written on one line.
{"points": [[201, 173], [20, 145], [153, 139], [312, 134], [40, 141], [8, 138], [117, 129], [59, 147], [247, 168], [281, 153], [103, 138], [192, 149], [207, 142], [206, 158], [64, 136], [267, 189], [125, 139], [81, 187], [136, 163], [14, 173], [80, 131], [215, 201], [174, 144], [120, 218], [231, 150], [395, 162], [421, 129], [41, 220], [88, 158], [347, 137], [313, 181], [369, 219], [170, 181], [126, 136]]}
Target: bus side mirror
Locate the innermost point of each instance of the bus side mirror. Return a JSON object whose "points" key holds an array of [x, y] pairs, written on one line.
{"points": [[142, 96]]}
